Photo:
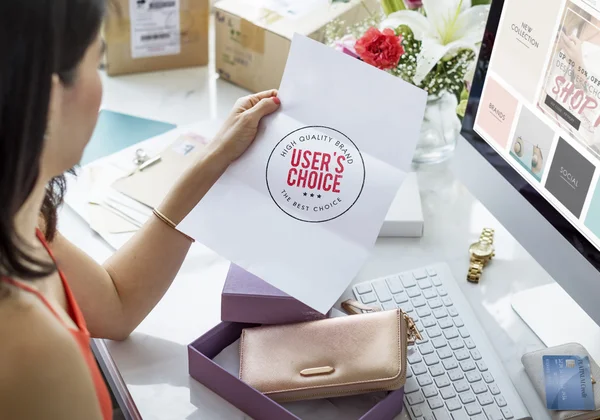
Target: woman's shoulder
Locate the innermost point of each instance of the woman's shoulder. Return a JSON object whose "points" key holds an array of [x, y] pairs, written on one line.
{"points": [[38, 357]]}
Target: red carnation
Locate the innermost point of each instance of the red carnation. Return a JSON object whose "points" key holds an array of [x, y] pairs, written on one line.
{"points": [[380, 49]]}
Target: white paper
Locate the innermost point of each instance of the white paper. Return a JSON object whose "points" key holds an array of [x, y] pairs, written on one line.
{"points": [[155, 28], [328, 99]]}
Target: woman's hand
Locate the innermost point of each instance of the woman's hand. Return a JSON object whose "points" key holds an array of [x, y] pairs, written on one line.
{"points": [[240, 128]]}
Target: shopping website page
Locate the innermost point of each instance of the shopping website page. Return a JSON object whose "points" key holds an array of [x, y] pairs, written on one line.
{"points": [[540, 106]]}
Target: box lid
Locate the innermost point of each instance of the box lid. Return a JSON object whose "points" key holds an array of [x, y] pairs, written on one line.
{"points": [[247, 298], [321, 13]]}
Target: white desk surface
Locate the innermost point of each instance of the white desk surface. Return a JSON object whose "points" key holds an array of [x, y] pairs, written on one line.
{"points": [[153, 361]]}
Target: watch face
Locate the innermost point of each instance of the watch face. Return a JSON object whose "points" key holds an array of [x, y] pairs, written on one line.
{"points": [[482, 249]]}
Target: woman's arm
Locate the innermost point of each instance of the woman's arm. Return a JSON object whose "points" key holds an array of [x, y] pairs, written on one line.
{"points": [[117, 296]]}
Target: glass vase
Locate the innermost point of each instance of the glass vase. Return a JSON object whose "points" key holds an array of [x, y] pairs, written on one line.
{"points": [[440, 130]]}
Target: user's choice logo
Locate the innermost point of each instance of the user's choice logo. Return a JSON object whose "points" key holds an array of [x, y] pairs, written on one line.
{"points": [[315, 174]]}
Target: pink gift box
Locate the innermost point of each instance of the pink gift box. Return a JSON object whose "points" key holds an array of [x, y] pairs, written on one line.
{"points": [[250, 401], [247, 298]]}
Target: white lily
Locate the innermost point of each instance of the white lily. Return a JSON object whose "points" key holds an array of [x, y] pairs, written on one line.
{"points": [[448, 26]]}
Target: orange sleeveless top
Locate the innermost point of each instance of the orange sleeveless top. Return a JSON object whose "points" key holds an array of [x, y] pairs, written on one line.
{"points": [[80, 335]]}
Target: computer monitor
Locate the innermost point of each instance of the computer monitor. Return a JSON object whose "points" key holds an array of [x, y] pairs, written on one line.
{"points": [[531, 136]]}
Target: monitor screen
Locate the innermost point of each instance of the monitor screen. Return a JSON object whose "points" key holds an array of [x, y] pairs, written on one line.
{"points": [[534, 111]]}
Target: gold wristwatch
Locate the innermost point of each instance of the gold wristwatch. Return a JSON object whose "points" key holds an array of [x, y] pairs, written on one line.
{"points": [[481, 252]]}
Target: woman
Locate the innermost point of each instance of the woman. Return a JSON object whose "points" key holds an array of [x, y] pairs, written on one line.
{"points": [[51, 293]]}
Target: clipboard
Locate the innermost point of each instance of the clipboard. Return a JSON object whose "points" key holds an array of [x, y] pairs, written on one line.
{"points": [[150, 185]]}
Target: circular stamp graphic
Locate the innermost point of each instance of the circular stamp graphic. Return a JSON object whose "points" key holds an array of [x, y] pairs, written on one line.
{"points": [[315, 174]]}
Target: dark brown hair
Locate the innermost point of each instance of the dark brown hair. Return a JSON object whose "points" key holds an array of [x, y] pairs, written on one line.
{"points": [[38, 38]]}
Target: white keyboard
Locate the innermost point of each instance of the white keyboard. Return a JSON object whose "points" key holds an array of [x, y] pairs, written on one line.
{"points": [[454, 373]]}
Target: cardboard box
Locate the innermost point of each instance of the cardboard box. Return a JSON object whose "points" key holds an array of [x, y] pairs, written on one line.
{"points": [[152, 35], [247, 298], [252, 43], [250, 401], [405, 216]]}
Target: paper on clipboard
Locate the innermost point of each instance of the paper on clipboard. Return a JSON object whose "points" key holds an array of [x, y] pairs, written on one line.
{"points": [[306, 222]]}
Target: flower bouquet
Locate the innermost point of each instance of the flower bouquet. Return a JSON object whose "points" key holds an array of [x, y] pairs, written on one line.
{"points": [[432, 44]]}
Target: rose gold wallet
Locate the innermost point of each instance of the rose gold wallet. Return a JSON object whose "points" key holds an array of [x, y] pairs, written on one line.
{"points": [[327, 358]]}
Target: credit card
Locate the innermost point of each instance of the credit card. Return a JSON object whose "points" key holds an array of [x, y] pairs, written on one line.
{"points": [[568, 383]]}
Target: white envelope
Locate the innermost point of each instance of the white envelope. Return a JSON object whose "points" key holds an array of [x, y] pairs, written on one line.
{"points": [[302, 208]]}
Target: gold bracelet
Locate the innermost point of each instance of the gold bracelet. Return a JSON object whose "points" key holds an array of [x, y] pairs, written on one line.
{"points": [[169, 223]]}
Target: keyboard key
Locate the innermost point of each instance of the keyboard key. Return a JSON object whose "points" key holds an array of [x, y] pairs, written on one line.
{"points": [[411, 385], [445, 323], [462, 354], [415, 398], [435, 402], [473, 376], [428, 416], [431, 359], [406, 307], [444, 353], [447, 392], [493, 413], [487, 377], [452, 311], [428, 321], [429, 391], [434, 331], [430, 293], [441, 291], [425, 380], [467, 397], [389, 306], [419, 301], [450, 363], [408, 280], [424, 284], [470, 343], [419, 369], [438, 342], [456, 343], [383, 293], [420, 274], [494, 389], [425, 339], [441, 414], [401, 297], [500, 401], [417, 410], [461, 386], [440, 313], [413, 292], [472, 409], [426, 349], [475, 354], [436, 370], [435, 303], [394, 284], [479, 417], [450, 333], [507, 413], [464, 333], [453, 404], [459, 415], [459, 322], [414, 357], [442, 381], [467, 365], [447, 301], [431, 272], [364, 288], [481, 366], [419, 325], [368, 298], [480, 388], [409, 373], [455, 374], [423, 311]]}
